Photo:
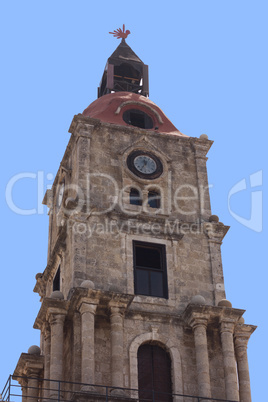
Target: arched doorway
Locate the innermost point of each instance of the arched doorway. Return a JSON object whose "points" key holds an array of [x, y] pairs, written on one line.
{"points": [[154, 373]]}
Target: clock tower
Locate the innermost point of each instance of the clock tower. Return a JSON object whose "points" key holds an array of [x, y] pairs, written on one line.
{"points": [[132, 298]]}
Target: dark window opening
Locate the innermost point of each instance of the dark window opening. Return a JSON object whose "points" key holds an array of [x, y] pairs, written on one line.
{"points": [[154, 199], [56, 280], [154, 374], [138, 118], [128, 72], [150, 274], [135, 197], [127, 78]]}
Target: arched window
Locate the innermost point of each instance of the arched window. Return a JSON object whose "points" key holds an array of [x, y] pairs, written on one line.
{"points": [[135, 197], [138, 118], [154, 199], [154, 373]]}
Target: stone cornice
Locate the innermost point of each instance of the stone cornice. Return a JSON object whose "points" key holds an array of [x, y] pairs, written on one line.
{"points": [[215, 231], [103, 299], [79, 119], [201, 147], [243, 332], [26, 363], [50, 306], [212, 314], [121, 301]]}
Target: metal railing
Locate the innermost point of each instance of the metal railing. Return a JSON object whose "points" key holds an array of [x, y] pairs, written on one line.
{"points": [[65, 391]]}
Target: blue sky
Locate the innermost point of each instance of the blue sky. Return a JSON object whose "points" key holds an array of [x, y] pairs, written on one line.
{"points": [[208, 72]]}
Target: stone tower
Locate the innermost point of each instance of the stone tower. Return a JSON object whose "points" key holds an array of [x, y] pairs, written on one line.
{"points": [[132, 298]]}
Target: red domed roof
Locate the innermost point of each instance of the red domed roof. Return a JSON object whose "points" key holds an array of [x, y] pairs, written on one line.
{"points": [[110, 108]]}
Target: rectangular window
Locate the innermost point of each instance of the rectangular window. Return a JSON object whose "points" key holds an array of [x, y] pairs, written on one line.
{"points": [[150, 273]]}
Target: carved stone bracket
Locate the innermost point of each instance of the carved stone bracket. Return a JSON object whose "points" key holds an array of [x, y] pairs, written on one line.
{"points": [[215, 231]]}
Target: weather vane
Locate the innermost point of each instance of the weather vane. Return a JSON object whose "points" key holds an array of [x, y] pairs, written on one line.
{"points": [[118, 33]]}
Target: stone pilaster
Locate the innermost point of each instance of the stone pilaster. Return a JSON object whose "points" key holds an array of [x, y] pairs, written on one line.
{"points": [[199, 326], [215, 232], [47, 346], [241, 337], [33, 375], [118, 305], [229, 361], [23, 383], [197, 317], [117, 346], [201, 148], [77, 355], [28, 372], [56, 320], [79, 191], [87, 310]]}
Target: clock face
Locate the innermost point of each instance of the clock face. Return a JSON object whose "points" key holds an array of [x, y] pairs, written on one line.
{"points": [[145, 165]]}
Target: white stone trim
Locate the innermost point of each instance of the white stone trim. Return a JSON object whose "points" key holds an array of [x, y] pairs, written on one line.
{"points": [[136, 103], [176, 365], [170, 269]]}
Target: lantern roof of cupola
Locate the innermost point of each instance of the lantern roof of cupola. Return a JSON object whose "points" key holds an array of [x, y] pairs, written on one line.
{"points": [[124, 70], [124, 52]]}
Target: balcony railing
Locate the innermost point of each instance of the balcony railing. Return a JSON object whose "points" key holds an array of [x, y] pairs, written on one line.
{"points": [[65, 391]]}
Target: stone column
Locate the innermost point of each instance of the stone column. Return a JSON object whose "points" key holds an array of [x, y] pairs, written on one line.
{"points": [[241, 337], [87, 310], [23, 384], [56, 320], [199, 326], [77, 355], [117, 346], [33, 384], [230, 370], [29, 372], [47, 345]]}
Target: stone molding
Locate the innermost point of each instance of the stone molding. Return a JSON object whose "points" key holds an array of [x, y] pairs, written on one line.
{"points": [[45, 330], [227, 325], [201, 147], [211, 313], [27, 366], [137, 103], [145, 144], [120, 301], [215, 231], [88, 306], [48, 307], [242, 333], [55, 316], [104, 300], [176, 363]]}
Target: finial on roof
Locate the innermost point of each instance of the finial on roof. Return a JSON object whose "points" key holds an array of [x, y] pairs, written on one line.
{"points": [[119, 33]]}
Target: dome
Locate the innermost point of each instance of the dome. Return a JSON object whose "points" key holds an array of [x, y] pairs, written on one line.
{"points": [[130, 109]]}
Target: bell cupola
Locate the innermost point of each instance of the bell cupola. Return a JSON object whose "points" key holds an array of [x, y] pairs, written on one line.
{"points": [[124, 70]]}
